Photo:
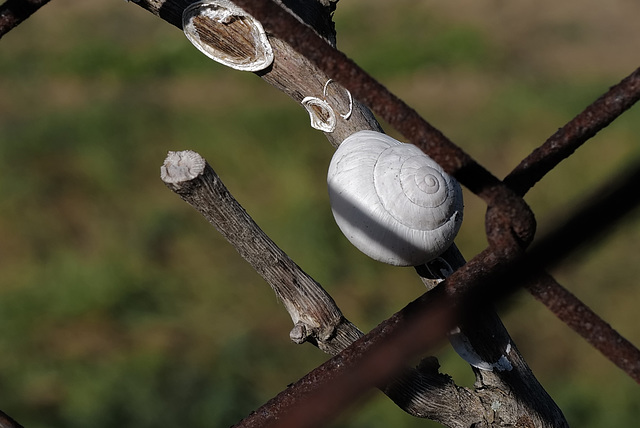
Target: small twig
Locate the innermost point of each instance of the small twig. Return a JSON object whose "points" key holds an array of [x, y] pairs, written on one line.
{"points": [[14, 12], [315, 315]]}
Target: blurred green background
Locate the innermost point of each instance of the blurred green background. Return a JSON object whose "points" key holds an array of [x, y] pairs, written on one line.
{"points": [[121, 306]]}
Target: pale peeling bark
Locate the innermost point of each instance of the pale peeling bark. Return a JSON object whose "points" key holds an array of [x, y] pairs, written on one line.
{"points": [[510, 397]]}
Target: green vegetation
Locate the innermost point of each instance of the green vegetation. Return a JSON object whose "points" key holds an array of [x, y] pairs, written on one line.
{"points": [[120, 306]]}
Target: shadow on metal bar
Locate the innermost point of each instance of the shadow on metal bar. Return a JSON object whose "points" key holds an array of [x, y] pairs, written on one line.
{"points": [[329, 389]]}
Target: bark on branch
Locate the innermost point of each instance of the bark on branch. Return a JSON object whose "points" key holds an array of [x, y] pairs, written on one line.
{"points": [[298, 77], [316, 317], [422, 391]]}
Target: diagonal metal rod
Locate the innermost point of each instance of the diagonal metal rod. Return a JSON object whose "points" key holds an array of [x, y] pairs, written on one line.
{"points": [[606, 207], [571, 136], [14, 12], [560, 301], [7, 422], [579, 317]]}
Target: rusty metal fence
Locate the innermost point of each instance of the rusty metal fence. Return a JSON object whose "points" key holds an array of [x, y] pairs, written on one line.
{"points": [[505, 264], [509, 262]]}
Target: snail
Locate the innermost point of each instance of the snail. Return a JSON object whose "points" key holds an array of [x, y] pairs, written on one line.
{"points": [[398, 206], [392, 201]]}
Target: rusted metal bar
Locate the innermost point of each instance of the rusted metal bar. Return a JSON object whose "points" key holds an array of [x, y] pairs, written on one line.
{"points": [[333, 386], [605, 208], [562, 303], [614, 200], [567, 139], [587, 323], [7, 422], [13, 12], [329, 389]]}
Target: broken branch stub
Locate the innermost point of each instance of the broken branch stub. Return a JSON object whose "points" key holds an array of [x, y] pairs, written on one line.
{"points": [[227, 34], [315, 315]]}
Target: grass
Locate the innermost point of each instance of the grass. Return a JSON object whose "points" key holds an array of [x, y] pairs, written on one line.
{"points": [[119, 305]]}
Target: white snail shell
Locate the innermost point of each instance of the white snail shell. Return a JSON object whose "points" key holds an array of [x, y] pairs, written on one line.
{"points": [[392, 201]]}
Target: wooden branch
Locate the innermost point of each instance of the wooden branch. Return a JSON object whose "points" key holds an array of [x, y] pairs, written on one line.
{"points": [[291, 72], [316, 317], [502, 374]]}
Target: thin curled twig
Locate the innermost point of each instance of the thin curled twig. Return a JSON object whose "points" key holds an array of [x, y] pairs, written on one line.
{"points": [[566, 140]]}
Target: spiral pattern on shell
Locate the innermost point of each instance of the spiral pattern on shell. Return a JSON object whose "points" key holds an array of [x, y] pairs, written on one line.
{"points": [[392, 201]]}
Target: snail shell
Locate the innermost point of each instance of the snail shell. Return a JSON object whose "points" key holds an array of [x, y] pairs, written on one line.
{"points": [[392, 201]]}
